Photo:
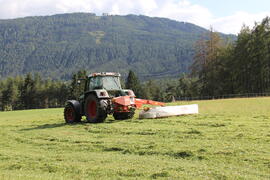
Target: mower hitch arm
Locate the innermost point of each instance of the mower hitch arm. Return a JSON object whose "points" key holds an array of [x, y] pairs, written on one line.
{"points": [[140, 102]]}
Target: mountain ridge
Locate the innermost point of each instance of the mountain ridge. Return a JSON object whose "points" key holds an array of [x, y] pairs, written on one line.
{"points": [[59, 45]]}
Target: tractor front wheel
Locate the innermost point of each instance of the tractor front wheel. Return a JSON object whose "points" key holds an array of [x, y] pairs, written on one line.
{"points": [[70, 114], [93, 111]]}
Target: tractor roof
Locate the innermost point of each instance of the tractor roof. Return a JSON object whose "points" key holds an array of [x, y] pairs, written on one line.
{"points": [[105, 74]]}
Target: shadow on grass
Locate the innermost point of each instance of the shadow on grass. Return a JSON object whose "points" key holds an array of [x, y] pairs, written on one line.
{"points": [[56, 125], [49, 126], [108, 121]]}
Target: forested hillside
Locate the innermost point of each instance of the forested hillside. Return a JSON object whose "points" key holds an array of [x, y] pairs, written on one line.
{"points": [[57, 46]]}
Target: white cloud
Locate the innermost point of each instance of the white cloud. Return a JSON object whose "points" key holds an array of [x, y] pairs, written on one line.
{"points": [[181, 10], [233, 24]]}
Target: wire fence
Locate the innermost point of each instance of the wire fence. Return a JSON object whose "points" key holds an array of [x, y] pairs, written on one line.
{"points": [[227, 96]]}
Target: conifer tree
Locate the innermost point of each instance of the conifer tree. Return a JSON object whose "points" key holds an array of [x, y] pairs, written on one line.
{"points": [[205, 62], [77, 89], [133, 83], [28, 92], [9, 95]]}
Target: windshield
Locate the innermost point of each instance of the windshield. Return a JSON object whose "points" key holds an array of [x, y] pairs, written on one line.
{"points": [[105, 82], [111, 83]]}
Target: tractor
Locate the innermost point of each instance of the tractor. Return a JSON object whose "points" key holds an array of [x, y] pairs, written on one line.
{"points": [[103, 95]]}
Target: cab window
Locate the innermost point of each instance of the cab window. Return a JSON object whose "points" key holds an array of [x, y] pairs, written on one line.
{"points": [[95, 83]]}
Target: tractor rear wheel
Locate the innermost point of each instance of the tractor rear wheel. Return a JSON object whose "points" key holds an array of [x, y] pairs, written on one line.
{"points": [[93, 111], [70, 114], [123, 115]]}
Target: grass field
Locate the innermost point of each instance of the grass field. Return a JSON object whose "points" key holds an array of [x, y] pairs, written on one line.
{"points": [[229, 139]]}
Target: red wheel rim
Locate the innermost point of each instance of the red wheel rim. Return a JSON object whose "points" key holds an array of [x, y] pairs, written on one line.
{"points": [[70, 114], [92, 109]]}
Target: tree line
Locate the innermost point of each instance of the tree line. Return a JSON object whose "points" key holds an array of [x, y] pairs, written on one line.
{"points": [[31, 92]]}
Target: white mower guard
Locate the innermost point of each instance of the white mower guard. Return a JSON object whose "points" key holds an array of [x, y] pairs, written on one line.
{"points": [[167, 111]]}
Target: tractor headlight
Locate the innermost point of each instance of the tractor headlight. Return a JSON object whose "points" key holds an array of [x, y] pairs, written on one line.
{"points": [[103, 94]]}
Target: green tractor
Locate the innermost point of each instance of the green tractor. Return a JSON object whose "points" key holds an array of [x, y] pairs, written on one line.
{"points": [[103, 95]]}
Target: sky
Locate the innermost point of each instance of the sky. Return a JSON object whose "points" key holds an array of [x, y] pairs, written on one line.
{"points": [[224, 16]]}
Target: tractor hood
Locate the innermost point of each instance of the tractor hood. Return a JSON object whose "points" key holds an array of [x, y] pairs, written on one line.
{"points": [[122, 92]]}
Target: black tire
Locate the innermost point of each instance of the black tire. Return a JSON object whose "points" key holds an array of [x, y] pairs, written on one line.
{"points": [[123, 115], [70, 114], [93, 110]]}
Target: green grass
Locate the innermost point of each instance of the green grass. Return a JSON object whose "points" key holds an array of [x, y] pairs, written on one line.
{"points": [[229, 139]]}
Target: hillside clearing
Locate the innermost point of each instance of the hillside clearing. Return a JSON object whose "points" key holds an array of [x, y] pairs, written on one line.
{"points": [[229, 139]]}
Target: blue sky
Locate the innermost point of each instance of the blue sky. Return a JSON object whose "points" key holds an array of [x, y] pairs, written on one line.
{"points": [[224, 16]]}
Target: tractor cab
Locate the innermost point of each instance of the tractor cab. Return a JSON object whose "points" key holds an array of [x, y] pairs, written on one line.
{"points": [[107, 81]]}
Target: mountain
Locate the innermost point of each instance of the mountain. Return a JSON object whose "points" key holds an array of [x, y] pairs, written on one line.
{"points": [[59, 45]]}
